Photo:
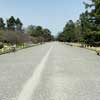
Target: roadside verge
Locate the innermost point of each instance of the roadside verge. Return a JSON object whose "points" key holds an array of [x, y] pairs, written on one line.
{"points": [[96, 49], [9, 49]]}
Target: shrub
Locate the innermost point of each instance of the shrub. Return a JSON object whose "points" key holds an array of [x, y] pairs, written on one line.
{"points": [[13, 37], [1, 45]]}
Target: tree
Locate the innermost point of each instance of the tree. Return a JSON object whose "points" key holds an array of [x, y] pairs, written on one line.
{"points": [[77, 31], [11, 23], [35, 31], [47, 35], [93, 22], [31, 30], [61, 37], [85, 24], [18, 24], [2, 24], [39, 31], [68, 33], [94, 14]]}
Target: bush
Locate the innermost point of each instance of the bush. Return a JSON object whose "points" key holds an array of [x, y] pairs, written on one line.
{"points": [[92, 39], [96, 44], [1, 45], [13, 37]]}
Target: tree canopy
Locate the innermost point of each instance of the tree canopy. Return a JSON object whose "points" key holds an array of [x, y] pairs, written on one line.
{"points": [[86, 29], [12, 32]]}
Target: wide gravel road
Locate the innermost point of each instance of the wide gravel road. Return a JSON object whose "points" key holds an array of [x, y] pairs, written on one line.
{"points": [[52, 71]]}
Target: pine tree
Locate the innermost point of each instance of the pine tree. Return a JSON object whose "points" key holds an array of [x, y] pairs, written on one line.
{"points": [[11, 23], [18, 24], [2, 24]]}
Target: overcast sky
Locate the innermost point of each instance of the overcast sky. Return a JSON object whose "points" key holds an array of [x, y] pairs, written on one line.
{"points": [[52, 14]]}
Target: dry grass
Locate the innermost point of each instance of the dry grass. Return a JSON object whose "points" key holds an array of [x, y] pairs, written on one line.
{"points": [[79, 45]]}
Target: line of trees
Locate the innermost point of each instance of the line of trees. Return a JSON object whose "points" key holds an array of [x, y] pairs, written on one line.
{"points": [[11, 24], [39, 33], [12, 32], [85, 30]]}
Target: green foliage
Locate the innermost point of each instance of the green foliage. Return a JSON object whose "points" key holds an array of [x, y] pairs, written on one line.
{"points": [[18, 24], [11, 22], [47, 35], [92, 37], [30, 29], [13, 33], [70, 33], [2, 24], [85, 24], [14, 24], [44, 35], [38, 31], [1, 45], [86, 29]]}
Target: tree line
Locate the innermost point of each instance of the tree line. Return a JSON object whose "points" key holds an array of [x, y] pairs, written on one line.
{"points": [[39, 33], [11, 24], [86, 29], [12, 32]]}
